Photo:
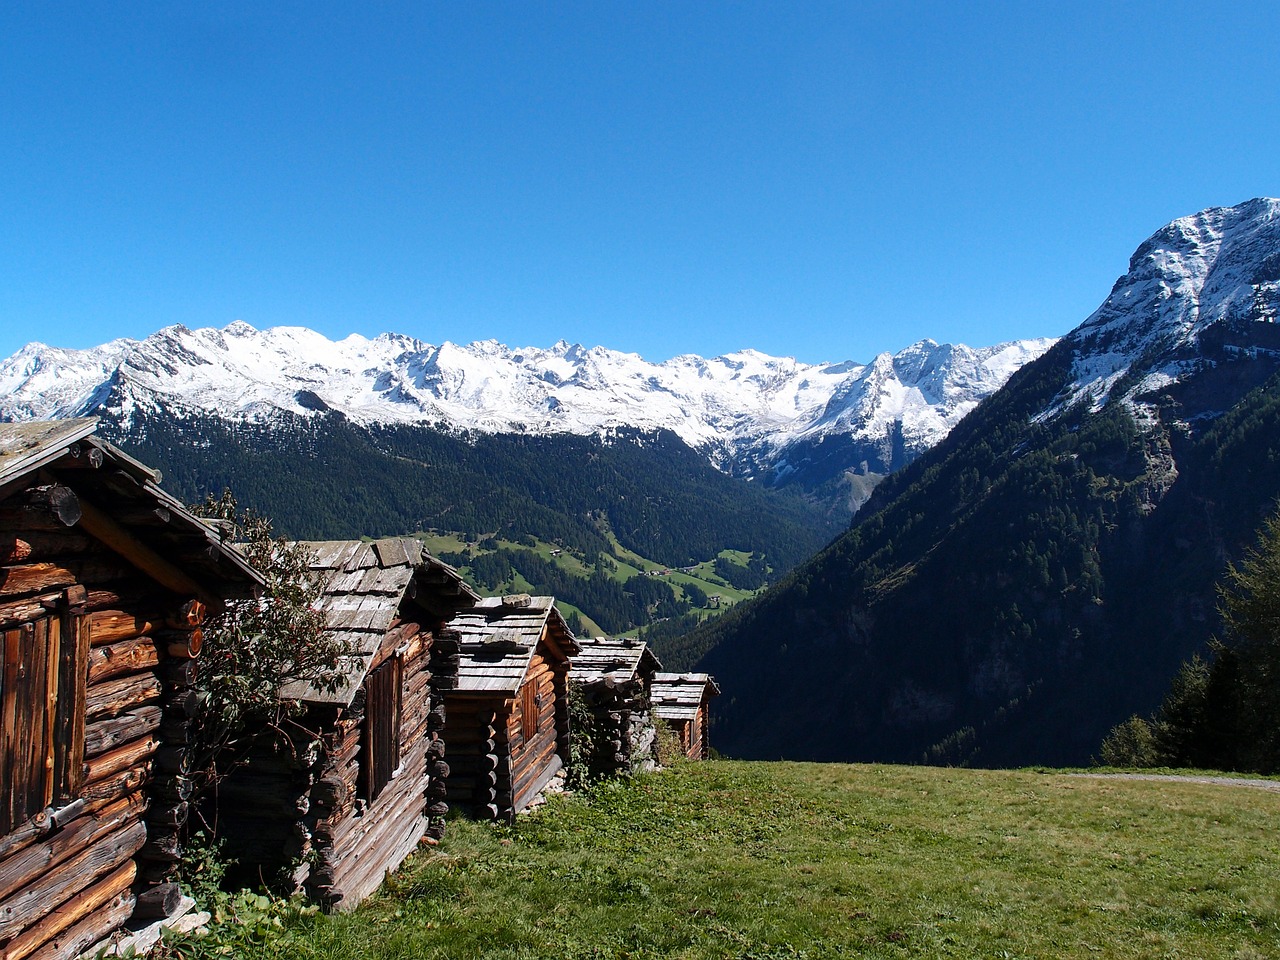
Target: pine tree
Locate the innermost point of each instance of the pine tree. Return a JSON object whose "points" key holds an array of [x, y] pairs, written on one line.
{"points": [[1250, 604]]}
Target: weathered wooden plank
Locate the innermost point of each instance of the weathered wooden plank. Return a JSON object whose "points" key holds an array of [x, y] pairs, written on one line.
{"points": [[110, 626], [391, 553], [132, 754], [51, 888], [45, 710], [28, 693], [17, 612], [124, 656], [532, 773], [24, 867], [115, 885], [13, 800], [39, 826], [116, 785], [20, 579], [114, 697], [71, 708], [389, 853], [92, 930], [538, 777]]}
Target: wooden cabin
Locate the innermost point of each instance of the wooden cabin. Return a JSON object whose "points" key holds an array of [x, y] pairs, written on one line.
{"points": [[362, 779], [616, 676], [683, 702], [508, 717], [104, 582]]}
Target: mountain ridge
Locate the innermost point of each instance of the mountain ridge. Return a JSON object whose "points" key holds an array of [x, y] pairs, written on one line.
{"points": [[1039, 574], [751, 414]]}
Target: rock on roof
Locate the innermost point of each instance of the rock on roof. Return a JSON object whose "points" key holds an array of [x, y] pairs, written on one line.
{"points": [[677, 696], [498, 638]]}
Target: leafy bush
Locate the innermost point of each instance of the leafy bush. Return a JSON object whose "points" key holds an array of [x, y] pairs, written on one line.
{"points": [[253, 648], [1131, 744]]}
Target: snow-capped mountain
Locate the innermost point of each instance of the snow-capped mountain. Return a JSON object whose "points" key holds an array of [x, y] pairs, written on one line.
{"points": [[1203, 277], [1039, 577], [746, 411]]}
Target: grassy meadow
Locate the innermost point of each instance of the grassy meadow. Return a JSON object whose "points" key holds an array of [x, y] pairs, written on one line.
{"points": [[779, 860]]}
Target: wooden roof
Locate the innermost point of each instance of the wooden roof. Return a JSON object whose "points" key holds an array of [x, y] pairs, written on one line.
{"points": [[499, 636], [119, 501], [677, 696], [365, 584], [606, 658]]}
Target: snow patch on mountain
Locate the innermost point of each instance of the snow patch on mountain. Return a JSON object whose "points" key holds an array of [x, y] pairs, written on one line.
{"points": [[1219, 266], [743, 401]]}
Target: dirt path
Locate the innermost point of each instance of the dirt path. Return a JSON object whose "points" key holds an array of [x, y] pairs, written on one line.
{"points": [[1271, 785]]}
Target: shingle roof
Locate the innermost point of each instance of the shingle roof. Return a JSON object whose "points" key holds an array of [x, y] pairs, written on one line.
{"points": [[127, 493], [365, 584], [617, 659], [499, 636], [677, 696]]}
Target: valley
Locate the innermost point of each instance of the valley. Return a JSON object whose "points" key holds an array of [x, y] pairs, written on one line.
{"points": [[1040, 574], [692, 594], [968, 556]]}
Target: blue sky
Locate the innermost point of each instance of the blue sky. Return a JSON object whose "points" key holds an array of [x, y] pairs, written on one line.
{"points": [[818, 180]]}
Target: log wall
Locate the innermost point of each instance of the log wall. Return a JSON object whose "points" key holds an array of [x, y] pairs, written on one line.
{"points": [[624, 740], [495, 769], [313, 824], [693, 734], [105, 832]]}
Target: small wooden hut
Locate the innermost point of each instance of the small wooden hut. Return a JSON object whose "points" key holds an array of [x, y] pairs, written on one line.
{"points": [[508, 717], [104, 582], [616, 676], [362, 779], [683, 701]]}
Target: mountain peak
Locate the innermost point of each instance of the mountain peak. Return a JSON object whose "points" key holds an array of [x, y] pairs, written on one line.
{"points": [[1219, 266], [742, 408]]}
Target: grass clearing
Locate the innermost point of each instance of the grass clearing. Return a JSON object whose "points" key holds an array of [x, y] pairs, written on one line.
{"points": [[774, 860]]}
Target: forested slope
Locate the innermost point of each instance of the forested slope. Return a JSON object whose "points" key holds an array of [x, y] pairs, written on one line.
{"points": [[1013, 593], [324, 477]]}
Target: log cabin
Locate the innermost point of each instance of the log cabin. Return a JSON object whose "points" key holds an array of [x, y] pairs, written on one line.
{"points": [[360, 779], [616, 676], [508, 717], [104, 583], [683, 702]]}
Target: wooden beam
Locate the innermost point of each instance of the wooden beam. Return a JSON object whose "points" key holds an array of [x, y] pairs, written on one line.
{"points": [[49, 507], [80, 457], [139, 554]]}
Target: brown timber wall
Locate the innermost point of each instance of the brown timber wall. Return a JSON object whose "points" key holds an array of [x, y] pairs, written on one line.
{"points": [[360, 840], [535, 759], [313, 824], [95, 841]]}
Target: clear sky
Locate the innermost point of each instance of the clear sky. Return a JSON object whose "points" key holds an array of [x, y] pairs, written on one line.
{"points": [[817, 180]]}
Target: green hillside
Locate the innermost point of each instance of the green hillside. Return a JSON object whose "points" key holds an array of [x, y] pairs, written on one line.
{"points": [[324, 477], [581, 518], [1016, 591], [615, 594], [774, 860]]}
